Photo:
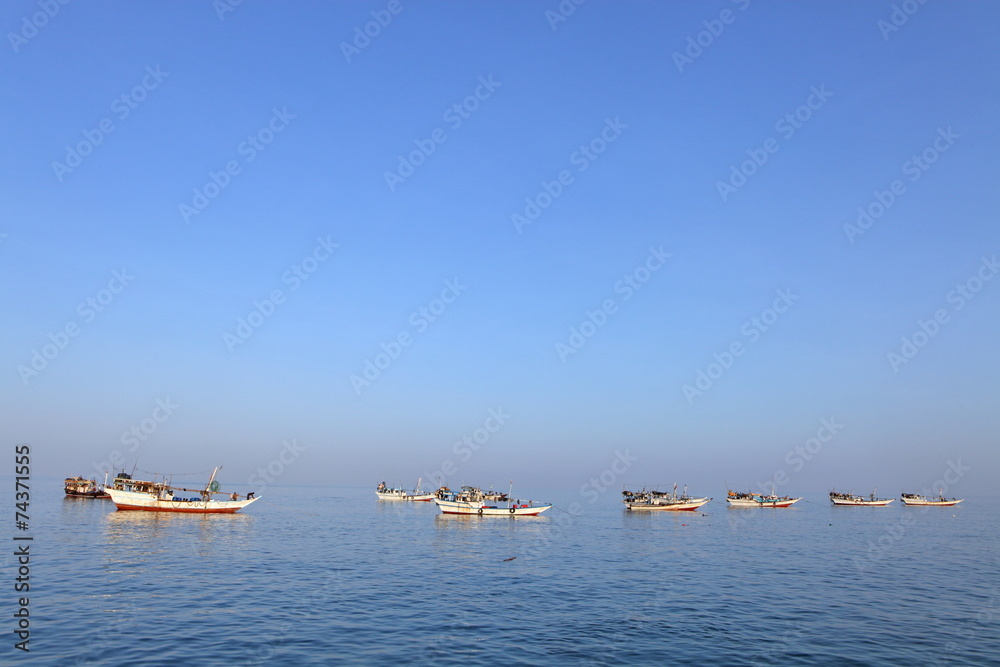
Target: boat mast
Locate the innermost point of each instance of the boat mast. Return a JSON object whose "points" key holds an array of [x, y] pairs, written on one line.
{"points": [[208, 487]]}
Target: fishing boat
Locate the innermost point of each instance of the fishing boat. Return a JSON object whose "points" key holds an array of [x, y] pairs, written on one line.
{"points": [[398, 493], [160, 496], [838, 498], [750, 499], [924, 501], [662, 500], [79, 487], [472, 500]]}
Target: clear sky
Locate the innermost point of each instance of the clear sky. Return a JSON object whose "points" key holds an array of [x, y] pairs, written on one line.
{"points": [[685, 232]]}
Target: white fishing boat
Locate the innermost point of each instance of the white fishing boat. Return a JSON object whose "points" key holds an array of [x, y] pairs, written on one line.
{"points": [[160, 496], [398, 493], [845, 499], [925, 501], [472, 501], [750, 499], [662, 500]]}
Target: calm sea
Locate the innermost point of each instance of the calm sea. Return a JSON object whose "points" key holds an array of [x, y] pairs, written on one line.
{"points": [[331, 576]]}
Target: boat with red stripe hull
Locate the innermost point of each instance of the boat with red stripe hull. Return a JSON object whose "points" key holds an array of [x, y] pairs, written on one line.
{"points": [[472, 501], [159, 496]]}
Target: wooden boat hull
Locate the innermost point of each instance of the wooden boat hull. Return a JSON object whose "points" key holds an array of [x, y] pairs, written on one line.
{"points": [[478, 508], [412, 497], [931, 503], [860, 503], [749, 502], [668, 507], [91, 494], [147, 502]]}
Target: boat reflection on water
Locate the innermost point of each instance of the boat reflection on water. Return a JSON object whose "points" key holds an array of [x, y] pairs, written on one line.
{"points": [[473, 520], [471, 542], [141, 537]]}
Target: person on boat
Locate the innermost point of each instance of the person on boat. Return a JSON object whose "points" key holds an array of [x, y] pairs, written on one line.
{"points": [[234, 496], [250, 495]]}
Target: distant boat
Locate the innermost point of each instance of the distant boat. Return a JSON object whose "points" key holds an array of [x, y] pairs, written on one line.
{"points": [[156, 496], [662, 500], [850, 499], [472, 500], [79, 487], [924, 501], [417, 495], [749, 499]]}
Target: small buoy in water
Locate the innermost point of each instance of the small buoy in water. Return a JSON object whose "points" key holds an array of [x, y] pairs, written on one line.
{"points": [[683, 524], [511, 558]]}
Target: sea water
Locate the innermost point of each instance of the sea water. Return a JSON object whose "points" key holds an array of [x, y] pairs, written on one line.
{"points": [[332, 576]]}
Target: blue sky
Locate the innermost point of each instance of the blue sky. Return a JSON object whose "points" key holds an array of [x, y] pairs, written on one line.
{"points": [[694, 166]]}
